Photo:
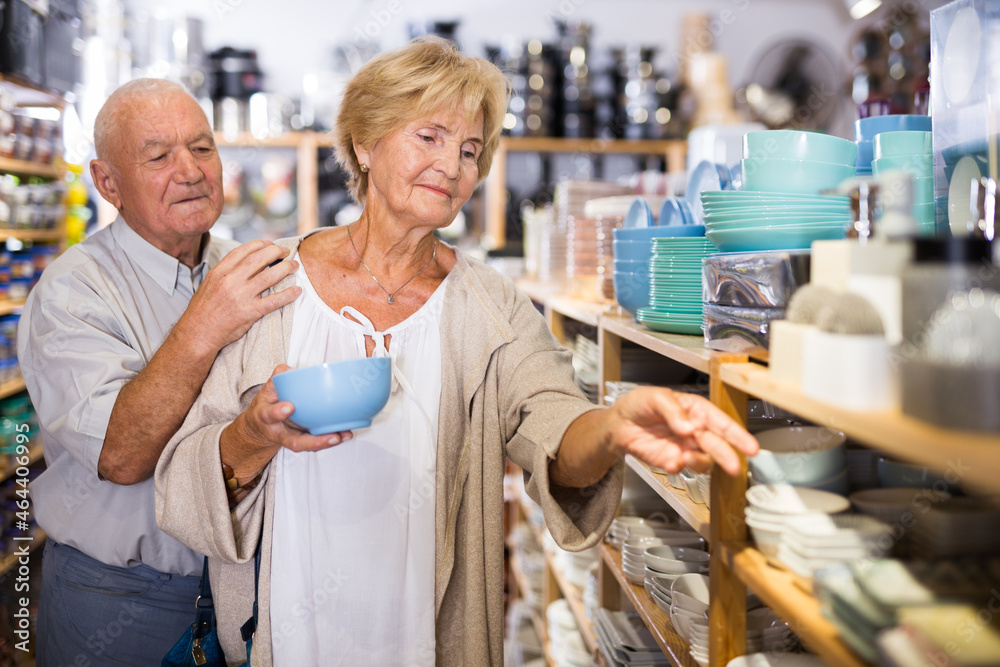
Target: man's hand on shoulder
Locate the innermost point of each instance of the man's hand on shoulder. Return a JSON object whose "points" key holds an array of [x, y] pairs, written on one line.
{"points": [[231, 298]]}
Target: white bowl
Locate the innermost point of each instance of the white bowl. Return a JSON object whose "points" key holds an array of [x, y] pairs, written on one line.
{"points": [[798, 455], [676, 559], [692, 585]]}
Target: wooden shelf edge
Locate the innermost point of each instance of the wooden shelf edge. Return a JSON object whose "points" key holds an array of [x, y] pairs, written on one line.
{"points": [[785, 593], [587, 312], [687, 350], [35, 454], [9, 561], [654, 618], [11, 387], [7, 306], [593, 145], [53, 235], [972, 457], [574, 596], [695, 514], [29, 168]]}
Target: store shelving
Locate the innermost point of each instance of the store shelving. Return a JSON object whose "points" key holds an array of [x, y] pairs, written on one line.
{"points": [[25, 168], [35, 455], [11, 387], [972, 457], [672, 150], [694, 514], [790, 596], [8, 306], [655, 619], [305, 145], [9, 561], [737, 566]]}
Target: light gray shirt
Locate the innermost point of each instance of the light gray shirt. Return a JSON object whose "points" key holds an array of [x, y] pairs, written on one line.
{"points": [[94, 320]]}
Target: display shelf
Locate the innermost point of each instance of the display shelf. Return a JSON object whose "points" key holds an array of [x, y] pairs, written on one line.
{"points": [[9, 561], [655, 619], [11, 387], [305, 145], [674, 151], [538, 292], [53, 235], [26, 168], [971, 457], [35, 455], [7, 306], [586, 312], [28, 94], [574, 596], [695, 514], [786, 594], [688, 350]]}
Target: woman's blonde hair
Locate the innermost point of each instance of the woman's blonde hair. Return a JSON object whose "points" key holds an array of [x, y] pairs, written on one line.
{"points": [[396, 87]]}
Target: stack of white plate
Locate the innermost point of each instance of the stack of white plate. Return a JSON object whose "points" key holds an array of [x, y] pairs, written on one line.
{"points": [[624, 640], [958, 527], [532, 563], [640, 526], [769, 506], [810, 542], [765, 632], [522, 645], [566, 644], [668, 562], [586, 355], [777, 659]]}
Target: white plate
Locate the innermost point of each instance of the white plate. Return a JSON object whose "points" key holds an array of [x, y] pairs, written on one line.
{"points": [[787, 499]]}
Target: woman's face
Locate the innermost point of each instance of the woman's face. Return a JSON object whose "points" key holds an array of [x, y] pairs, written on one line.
{"points": [[426, 170]]}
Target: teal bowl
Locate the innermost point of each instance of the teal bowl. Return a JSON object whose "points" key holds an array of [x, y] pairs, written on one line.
{"points": [[799, 145], [918, 165], [796, 176], [631, 250], [337, 396], [905, 142]]}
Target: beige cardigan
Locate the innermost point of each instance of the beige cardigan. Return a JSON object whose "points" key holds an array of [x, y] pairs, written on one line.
{"points": [[507, 392]]}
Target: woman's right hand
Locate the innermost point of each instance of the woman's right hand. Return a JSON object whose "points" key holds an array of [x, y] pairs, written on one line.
{"points": [[256, 435]]}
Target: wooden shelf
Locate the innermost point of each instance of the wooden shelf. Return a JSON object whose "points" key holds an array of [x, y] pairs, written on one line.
{"points": [[586, 312], [27, 94], [595, 146], [695, 514], [974, 458], [35, 454], [288, 140], [655, 619], [9, 561], [574, 596], [786, 594], [688, 350], [53, 235], [26, 168], [11, 387], [538, 292], [7, 306]]}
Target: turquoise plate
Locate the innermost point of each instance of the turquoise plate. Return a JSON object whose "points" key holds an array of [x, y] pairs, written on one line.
{"points": [[785, 237]]}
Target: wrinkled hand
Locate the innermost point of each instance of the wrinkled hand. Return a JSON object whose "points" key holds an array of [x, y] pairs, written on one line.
{"points": [[671, 430], [265, 425], [230, 299]]}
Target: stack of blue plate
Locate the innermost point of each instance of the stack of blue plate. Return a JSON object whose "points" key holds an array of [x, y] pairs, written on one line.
{"points": [[739, 221], [675, 300]]}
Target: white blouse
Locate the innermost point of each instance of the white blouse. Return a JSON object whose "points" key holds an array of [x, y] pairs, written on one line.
{"points": [[352, 561]]}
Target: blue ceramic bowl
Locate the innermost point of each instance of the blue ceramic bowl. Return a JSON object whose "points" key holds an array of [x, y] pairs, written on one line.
{"points": [[632, 250], [632, 265], [631, 290], [338, 396], [865, 129], [649, 233]]}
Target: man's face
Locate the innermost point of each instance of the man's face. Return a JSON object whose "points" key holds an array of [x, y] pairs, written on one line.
{"points": [[165, 169]]}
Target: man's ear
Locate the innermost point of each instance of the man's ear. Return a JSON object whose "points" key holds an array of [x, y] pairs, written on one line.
{"points": [[106, 182]]}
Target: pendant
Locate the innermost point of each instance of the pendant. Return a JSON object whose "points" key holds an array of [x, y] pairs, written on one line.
{"points": [[391, 300]]}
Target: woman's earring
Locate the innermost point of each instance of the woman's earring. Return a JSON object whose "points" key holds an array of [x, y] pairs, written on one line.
{"points": [[364, 168]]}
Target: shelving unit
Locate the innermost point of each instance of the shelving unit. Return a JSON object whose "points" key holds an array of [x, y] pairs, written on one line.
{"points": [[495, 188], [736, 564], [305, 144]]}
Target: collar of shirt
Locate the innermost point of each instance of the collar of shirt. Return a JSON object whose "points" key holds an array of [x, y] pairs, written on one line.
{"points": [[166, 271]]}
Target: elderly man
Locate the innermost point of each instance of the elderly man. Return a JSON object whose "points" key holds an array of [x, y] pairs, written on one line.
{"points": [[114, 344]]}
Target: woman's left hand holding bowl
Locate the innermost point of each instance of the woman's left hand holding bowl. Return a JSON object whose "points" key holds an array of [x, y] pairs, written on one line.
{"points": [[255, 436]]}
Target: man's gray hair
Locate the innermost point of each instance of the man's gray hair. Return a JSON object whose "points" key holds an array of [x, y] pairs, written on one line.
{"points": [[108, 123]]}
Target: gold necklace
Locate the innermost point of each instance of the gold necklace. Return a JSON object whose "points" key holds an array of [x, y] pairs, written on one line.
{"points": [[392, 294]]}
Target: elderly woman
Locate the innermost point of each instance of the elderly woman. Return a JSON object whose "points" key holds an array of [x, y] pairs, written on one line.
{"points": [[385, 546]]}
